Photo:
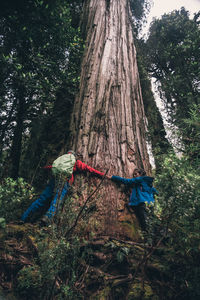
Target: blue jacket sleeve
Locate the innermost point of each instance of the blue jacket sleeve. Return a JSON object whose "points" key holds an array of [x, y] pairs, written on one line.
{"points": [[126, 180], [154, 191]]}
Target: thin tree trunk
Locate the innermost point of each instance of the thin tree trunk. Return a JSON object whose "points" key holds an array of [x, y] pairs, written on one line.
{"points": [[108, 122], [5, 126], [17, 139], [160, 144]]}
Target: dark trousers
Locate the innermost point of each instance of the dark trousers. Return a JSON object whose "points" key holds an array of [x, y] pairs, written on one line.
{"points": [[141, 214]]}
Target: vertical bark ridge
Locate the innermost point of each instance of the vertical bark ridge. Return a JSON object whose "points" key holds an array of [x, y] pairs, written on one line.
{"points": [[108, 124]]}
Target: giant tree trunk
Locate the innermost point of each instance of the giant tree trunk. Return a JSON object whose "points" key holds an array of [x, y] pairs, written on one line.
{"points": [[108, 121]]}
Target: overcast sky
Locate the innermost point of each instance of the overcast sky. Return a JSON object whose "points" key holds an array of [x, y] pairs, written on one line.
{"points": [[165, 6]]}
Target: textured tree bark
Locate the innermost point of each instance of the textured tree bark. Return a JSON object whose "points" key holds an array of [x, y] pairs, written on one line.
{"points": [[108, 122]]}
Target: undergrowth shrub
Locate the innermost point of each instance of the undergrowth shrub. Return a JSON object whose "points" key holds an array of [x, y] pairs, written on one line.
{"points": [[178, 207], [15, 195], [54, 273], [57, 267]]}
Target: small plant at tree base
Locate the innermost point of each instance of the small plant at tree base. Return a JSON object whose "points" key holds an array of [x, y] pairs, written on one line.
{"points": [[29, 281], [54, 273]]}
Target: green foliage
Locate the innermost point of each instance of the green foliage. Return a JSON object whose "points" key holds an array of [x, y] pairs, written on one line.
{"points": [[2, 223], [40, 51], [173, 58], [122, 254], [56, 271], [179, 210], [57, 266], [156, 131], [179, 188], [14, 196], [191, 134], [139, 9], [29, 282]]}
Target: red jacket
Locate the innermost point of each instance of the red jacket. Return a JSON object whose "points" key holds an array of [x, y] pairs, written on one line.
{"points": [[79, 166]]}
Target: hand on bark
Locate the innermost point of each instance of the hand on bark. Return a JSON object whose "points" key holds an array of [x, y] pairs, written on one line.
{"points": [[108, 176]]}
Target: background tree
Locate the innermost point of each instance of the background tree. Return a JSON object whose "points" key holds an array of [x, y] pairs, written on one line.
{"points": [[173, 57], [36, 41], [156, 131], [139, 10]]}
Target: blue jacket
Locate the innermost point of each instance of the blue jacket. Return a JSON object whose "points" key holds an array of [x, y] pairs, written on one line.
{"points": [[142, 189]]}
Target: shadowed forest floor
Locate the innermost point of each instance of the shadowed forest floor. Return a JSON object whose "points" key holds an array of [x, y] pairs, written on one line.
{"points": [[104, 267]]}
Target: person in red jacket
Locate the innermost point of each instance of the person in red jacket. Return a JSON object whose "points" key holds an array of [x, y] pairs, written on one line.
{"points": [[31, 214]]}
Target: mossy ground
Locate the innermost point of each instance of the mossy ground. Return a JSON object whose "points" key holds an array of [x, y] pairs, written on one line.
{"points": [[108, 268]]}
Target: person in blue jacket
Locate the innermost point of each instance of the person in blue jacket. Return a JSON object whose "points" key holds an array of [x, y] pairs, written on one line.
{"points": [[142, 192]]}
